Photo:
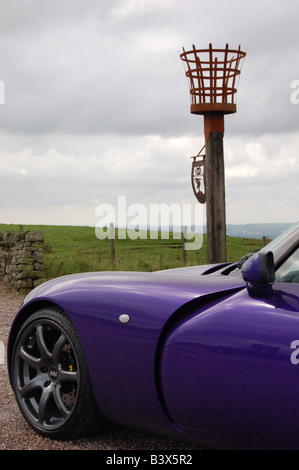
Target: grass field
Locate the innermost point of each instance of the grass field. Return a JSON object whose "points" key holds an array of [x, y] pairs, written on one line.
{"points": [[70, 249]]}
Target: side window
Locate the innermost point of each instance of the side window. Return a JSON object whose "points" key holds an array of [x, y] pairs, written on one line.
{"points": [[289, 270]]}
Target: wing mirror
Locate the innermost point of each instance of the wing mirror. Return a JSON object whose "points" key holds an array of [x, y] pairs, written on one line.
{"points": [[259, 274]]}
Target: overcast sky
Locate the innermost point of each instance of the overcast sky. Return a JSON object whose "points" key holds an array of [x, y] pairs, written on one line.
{"points": [[96, 105]]}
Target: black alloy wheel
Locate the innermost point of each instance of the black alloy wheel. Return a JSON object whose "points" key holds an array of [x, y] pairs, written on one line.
{"points": [[50, 377]]}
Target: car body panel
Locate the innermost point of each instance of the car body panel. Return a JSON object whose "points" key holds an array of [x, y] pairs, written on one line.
{"points": [[205, 355], [122, 357], [236, 354]]}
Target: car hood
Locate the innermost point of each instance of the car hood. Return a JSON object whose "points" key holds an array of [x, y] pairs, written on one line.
{"points": [[175, 287]]}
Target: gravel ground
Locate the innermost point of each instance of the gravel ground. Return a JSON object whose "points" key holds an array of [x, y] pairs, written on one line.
{"points": [[15, 434]]}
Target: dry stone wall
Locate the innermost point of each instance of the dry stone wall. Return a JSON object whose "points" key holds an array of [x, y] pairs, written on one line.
{"points": [[22, 259]]}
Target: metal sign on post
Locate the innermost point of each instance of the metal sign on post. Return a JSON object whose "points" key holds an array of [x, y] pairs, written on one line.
{"points": [[212, 75], [198, 177]]}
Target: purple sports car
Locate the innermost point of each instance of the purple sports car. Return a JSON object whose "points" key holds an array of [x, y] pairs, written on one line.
{"points": [[207, 353]]}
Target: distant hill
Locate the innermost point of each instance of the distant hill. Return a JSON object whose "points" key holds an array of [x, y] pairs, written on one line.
{"points": [[257, 230]]}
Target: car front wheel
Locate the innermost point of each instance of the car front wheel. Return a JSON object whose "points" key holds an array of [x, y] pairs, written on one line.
{"points": [[50, 377]]}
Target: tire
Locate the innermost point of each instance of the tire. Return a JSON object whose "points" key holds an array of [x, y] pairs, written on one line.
{"points": [[50, 377]]}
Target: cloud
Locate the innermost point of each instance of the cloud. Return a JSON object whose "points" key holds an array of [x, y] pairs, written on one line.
{"points": [[103, 67], [261, 178], [260, 171], [97, 105]]}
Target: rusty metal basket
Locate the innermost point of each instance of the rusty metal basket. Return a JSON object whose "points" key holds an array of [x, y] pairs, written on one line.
{"points": [[212, 75]]}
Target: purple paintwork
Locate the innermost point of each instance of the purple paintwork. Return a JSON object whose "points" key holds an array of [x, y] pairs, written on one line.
{"points": [[205, 356]]}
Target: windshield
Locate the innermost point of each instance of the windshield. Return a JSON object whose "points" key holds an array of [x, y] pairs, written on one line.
{"points": [[281, 247], [289, 270], [281, 238]]}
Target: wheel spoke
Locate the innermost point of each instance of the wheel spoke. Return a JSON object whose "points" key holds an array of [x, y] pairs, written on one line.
{"points": [[65, 376], [32, 361], [43, 403], [30, 387], [44, 352], [59, 402], [57, 348]]}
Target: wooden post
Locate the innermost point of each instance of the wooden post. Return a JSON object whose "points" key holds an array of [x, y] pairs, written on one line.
{"points": [[212, 75], [215, 191]]}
